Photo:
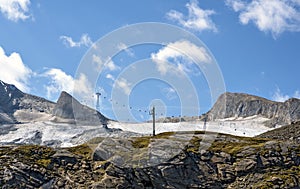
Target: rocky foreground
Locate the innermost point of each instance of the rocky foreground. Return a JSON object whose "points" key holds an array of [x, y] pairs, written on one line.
{"points": [[230, 162]]}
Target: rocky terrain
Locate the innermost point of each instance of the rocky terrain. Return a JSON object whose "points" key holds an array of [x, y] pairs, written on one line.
{"points": [[287, 132], [243, 105], [230, 162]]}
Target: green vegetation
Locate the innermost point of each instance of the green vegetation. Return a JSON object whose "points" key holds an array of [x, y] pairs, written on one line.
{"points": [[143, 142], [232, 147], [39, 155], [194, 145], [285, 177], [83, 150]]}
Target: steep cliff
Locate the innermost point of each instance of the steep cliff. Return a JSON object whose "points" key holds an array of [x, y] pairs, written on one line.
{"points": [[69, 108]]}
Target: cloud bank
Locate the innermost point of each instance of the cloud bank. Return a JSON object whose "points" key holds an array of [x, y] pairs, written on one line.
{"points": [[183, 53], [269, 16], [15, 10], [60, 81], [14, 71]]}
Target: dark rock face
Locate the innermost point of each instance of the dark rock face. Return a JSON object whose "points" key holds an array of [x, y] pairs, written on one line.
{"points": [[12, 99], [68, 107], [64, 106], [244, 105]]}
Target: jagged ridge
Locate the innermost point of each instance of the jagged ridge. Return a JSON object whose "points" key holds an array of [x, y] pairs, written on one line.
{"points": [[17, 107], [245, 105]]}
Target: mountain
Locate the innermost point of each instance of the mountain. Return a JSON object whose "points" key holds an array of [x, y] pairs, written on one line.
{"points": [[16, 106], [19, 107], [68, 108], [241, 105]]}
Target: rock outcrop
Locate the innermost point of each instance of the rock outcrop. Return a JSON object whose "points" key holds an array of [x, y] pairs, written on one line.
{"points": [[288, 132], [230, 162], [69, 108], [244, 105]]}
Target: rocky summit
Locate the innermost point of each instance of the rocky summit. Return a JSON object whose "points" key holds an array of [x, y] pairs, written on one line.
{"points": [[16, 106], [68, 108], [242, 105]]}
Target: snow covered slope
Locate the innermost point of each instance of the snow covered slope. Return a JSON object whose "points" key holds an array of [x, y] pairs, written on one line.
{"points": [[250, 126], [64, 134]]}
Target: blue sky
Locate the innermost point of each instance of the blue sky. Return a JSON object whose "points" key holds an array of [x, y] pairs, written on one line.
{"points": [[255, 43]]}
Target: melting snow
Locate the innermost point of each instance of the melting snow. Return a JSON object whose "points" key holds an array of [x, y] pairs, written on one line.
{"points": [[70, 135]]}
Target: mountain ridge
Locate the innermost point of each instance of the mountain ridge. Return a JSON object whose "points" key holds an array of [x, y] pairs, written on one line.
{"points": [[245, 105], [16, 107], [19, 107]]}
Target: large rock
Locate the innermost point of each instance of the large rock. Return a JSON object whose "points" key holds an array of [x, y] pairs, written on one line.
{"points": [[69, 108], [244, 105]]}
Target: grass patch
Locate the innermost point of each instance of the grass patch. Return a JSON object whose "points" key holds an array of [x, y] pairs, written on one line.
{"points": [[83, 150], [44, 162], [194, 145], [287, 177], [233, 147], [39, 155], [143, 142]]}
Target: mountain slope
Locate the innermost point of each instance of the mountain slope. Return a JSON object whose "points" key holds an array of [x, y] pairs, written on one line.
{"points": [[287, 132], [19, 107], [16, 106], [245, 105]]}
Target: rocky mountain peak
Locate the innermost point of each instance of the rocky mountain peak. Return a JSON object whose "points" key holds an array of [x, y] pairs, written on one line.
{"points": [[19, 107], [8, 93], [67, 107], [245, 105]]}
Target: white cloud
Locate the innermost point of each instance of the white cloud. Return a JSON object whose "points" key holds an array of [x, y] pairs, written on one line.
{"points": [[14, 71], [123, 47], [274, 16], [170, 93], [102, 64], [123, 84], [198, 19], [183, 53], [15, 10], [109, 76], [280, 97], [60, 81], [85, 40]]}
